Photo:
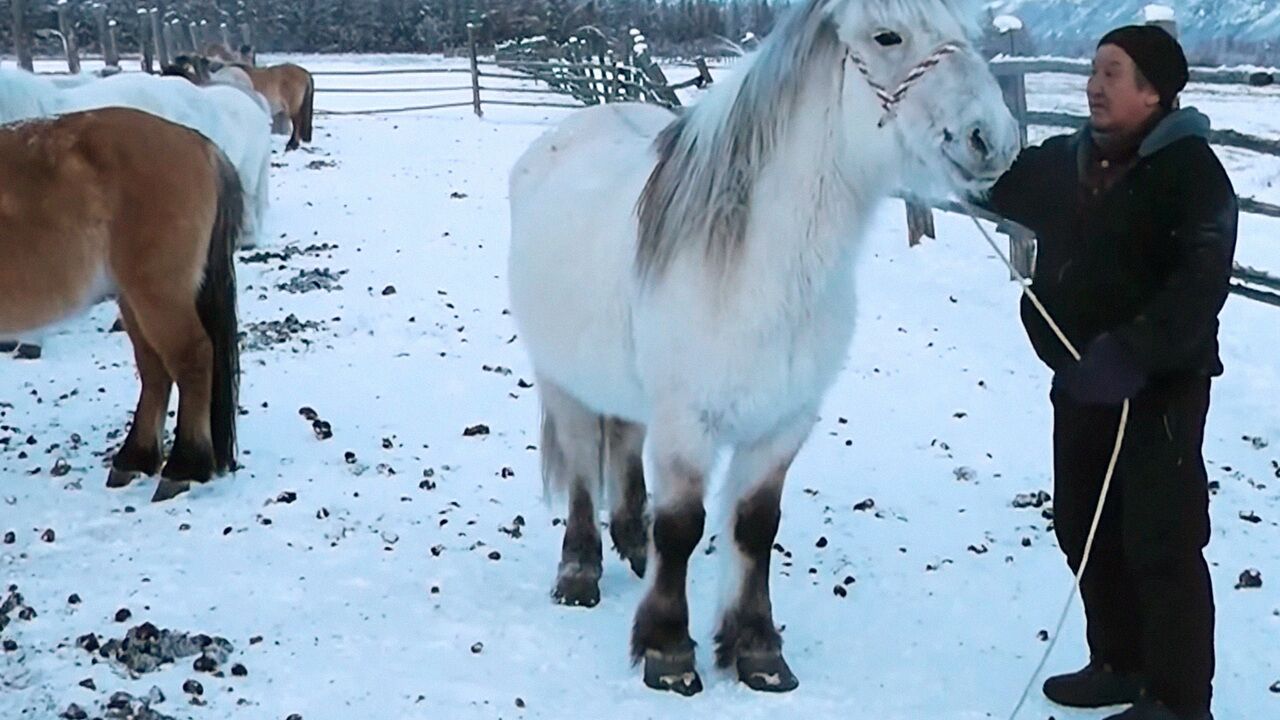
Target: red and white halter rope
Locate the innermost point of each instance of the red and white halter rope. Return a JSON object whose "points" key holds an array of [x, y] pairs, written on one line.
{"points": [[890, 100]]}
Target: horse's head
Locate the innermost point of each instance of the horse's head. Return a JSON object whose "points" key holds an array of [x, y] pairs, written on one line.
{"points": [[932, 88], [192, 67]]}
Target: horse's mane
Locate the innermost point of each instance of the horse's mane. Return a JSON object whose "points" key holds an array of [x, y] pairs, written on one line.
{"points": [[710, 158]]}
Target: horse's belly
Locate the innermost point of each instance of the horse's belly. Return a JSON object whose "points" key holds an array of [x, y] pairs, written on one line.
{"points": [[573, 318], [572, 249], [744, 374]]}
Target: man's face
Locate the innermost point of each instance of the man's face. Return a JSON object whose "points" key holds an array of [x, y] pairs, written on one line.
{"points": [[1120, 98]]}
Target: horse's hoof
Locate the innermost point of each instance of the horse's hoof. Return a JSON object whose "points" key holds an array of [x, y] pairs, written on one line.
{"points": [[766, 673], [631, 540], [8, 346], [577, 591], [120, 478], [639, 563], [170, 489], [673, 672], [27, 351]]}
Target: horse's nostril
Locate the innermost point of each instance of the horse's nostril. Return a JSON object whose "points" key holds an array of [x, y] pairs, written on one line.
{"points": [[979, 145]]}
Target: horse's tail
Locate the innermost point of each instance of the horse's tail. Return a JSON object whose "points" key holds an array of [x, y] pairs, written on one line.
{"points": [[216, 305], [308, 109]]}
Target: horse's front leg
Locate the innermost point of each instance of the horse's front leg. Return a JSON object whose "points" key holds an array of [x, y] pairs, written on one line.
{"points": [[683, 452], [748, 640]]}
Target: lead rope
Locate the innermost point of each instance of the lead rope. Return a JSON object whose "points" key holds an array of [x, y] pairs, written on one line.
{"points": [[1106, 482], [889, 101]]}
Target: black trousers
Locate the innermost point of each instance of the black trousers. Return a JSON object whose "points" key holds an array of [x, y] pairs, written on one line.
{"points": [[1147, 593]]}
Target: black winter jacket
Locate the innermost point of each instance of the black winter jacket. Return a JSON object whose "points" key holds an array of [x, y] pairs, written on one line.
{"points": [[1148, 260]]}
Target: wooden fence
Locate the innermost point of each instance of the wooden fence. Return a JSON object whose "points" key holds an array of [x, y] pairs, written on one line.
{"points": [[582, 72], [160, 36]]}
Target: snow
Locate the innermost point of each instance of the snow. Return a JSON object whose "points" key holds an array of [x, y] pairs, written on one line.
{"points": [[1158, 13], [360, 617], [1007, 23]]}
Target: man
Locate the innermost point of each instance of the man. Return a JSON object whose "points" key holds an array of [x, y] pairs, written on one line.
{"points": [[1136, 220]]}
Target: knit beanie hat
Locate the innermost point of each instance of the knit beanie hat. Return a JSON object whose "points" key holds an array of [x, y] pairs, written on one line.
{"points": [[1157, 54]]}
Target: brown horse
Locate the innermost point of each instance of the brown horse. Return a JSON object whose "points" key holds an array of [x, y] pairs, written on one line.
{"points": [[121, 200], [290, 91]]}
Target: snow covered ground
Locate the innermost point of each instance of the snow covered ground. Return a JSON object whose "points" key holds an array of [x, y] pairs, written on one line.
{"points": [[402, 570]]}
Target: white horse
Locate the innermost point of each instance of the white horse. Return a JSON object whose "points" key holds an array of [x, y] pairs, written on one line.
{"points": [[203, 71], [224, 115], [699, 288]]}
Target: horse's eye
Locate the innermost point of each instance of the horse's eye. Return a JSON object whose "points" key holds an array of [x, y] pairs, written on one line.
{"points": [[888, 38]]}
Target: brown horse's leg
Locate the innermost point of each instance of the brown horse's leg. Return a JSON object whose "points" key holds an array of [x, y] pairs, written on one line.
{"points": [[295, 139], [624, 474], [141, 453], [173, 327]]}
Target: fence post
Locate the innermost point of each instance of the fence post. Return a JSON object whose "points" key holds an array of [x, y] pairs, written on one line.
{"points": [[246, 34], [66, 27], [226, 36], [194, 33], [113, 49], [104, 36], [145, 44], [176, 41], [1022, 249], [919, 222], [1014, 87], [1163, 17], [21, 36], [475, 69], [704, 73], [160, 37]]}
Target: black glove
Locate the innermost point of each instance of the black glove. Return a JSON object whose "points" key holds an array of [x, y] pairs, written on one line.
{"points": [[1106, 375]]}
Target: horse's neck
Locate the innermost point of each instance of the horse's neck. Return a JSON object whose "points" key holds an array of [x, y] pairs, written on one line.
{"points": [[812, 201]]}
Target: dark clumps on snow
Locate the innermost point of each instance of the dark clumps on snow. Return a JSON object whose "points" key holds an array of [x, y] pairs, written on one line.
{"points": [[476, 430], [288, 253], [269, 333], [313, 280], [14, 606], [145, 648], [1250, 580], [123, 706], [1035, 500]]}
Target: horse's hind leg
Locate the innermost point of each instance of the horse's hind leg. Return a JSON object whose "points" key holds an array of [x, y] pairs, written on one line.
{"points": [[571, 448], [141, 453], [170, 323], [624, 475], [747, 640], [295, 136]]}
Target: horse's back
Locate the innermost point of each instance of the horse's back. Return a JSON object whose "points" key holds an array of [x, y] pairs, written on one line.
{"points": [[573, 235], [87, 210], [24, 95], [626, 128]]}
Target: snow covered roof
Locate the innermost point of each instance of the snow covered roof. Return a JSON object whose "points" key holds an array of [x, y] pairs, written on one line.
{"points": [[1158, 13]]}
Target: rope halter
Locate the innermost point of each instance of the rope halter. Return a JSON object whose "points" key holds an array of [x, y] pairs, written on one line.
{"points": [[889, 101]]}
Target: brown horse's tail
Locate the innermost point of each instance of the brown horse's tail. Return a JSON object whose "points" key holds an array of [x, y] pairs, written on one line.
{"points": [[216, 305], [308, 109]]}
